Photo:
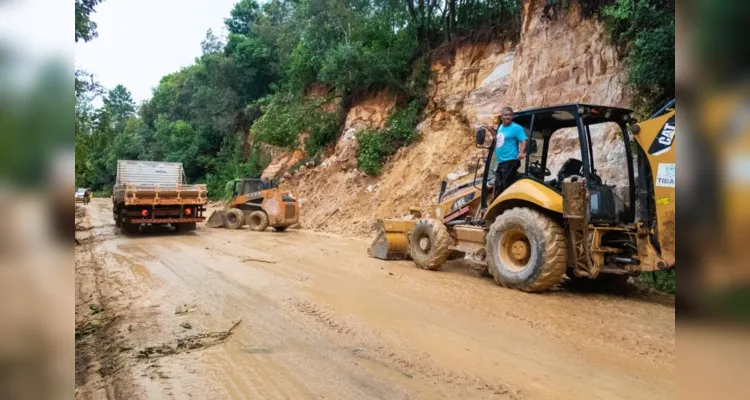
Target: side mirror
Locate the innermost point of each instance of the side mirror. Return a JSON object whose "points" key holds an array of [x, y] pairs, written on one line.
{"points": [[481, 133]]}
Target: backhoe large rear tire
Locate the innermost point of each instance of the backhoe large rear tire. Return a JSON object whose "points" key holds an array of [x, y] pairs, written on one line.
{"points": [[234, 218], [429, 244], [257, 221], [526, 250]]}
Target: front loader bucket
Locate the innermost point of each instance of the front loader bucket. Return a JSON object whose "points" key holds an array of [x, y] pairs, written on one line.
{"points": [[216, 219], [391, 240]]}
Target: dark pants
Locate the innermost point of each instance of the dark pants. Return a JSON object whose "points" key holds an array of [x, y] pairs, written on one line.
{"points": [[505, 175]]}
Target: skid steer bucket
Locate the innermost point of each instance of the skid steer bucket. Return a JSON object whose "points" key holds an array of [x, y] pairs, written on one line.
{"points": [[216, 219], [391, 240]]}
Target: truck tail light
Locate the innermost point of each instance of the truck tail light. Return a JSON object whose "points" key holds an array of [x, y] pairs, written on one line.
{"points": [[144, 213], [188, 211]]}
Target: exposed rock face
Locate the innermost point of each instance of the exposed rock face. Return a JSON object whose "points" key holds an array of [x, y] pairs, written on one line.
{"points": [[565, 60], [282, 163], [368, 112]]}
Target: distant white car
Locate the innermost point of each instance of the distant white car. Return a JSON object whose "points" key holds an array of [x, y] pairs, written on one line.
{"points": [[81, 192]]}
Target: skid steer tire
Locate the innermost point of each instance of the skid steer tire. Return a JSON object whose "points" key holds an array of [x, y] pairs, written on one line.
{"points": [[429, 244], [526, 250], [280, 228], [234, 218], [257, 221]]}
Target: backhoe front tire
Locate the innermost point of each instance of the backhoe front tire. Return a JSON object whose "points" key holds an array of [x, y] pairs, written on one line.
{"points": [[234, 218], [526, 250], [257, 221], [429, 244]]}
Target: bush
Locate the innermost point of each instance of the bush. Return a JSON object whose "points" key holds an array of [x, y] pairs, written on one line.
{"points": [[645, 31], [663, 281], [373, 148], [324, 129], [280, 124], [401, 124], [376, 145], [103, 193], [230, 167], [287, 116]]}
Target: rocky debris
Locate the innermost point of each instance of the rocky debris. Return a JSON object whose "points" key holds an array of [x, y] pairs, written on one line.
{"points": [[185, 308]]}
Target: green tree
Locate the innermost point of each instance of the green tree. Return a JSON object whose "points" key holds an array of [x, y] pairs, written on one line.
{"points": [[120, 106], [242, 16], [85, 28]]}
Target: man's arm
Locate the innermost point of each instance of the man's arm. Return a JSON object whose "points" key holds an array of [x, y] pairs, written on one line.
{"points": [[522, 149], [523, 141]]}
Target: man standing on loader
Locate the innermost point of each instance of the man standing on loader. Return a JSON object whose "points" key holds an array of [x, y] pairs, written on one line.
{"points": [[509, 150]]}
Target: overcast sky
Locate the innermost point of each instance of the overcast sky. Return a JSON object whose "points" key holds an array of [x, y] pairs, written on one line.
{"points": [[142, 40]]}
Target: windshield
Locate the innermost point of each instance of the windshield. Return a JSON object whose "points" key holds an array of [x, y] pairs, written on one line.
{"points": [[80, 191]]}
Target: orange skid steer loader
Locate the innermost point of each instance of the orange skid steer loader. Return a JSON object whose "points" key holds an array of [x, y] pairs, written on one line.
{"points": [[257, 203]]}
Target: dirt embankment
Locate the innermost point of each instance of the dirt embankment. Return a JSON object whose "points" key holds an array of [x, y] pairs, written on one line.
{"points": [[564, 60], [311, 316]]}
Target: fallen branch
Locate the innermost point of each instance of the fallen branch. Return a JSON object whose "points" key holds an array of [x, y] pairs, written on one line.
{"points": [[327, 216], [193, 342], [258, 260]]}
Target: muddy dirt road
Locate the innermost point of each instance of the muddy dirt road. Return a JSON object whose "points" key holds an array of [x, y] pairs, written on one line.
{"points": [[319, 319]]}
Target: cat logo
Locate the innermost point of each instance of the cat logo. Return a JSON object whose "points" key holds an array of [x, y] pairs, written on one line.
{"points": [[663, 141]]}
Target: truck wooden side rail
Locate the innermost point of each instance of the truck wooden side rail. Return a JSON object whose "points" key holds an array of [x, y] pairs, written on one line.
{"points": [[149, 192]]}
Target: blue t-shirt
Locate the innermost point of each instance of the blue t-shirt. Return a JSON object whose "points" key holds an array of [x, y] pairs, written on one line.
{"points": [[508, 137]]}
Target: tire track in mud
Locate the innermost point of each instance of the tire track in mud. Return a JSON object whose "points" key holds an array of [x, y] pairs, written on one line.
{"points": [[102, 359], [418, 367]]}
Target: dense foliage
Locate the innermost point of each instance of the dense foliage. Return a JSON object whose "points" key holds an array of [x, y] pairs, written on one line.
{"points": [[645, 29], [251, 86]]}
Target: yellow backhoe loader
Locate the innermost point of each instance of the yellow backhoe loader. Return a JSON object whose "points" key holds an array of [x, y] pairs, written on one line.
{"points": [[257, 203], [539, 229]]}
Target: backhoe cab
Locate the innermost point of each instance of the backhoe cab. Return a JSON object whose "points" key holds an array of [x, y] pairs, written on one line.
{"points": [[257, 203], [551, 223]]}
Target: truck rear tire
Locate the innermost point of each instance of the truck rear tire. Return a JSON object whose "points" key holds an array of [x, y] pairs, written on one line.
{"points": [[526, 250], [234, 218], [130, 228], [429, 244], [184, 227], [257, 221]]}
